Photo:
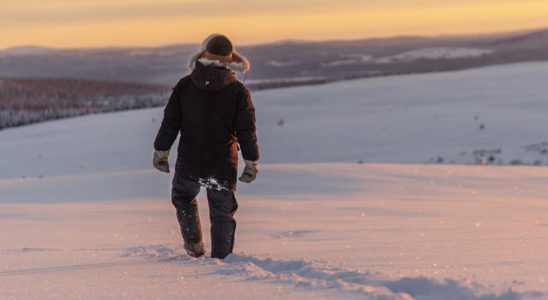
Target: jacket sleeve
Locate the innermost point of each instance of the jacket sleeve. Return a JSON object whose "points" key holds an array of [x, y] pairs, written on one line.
{"points": [[171, 124], [245, 126]]}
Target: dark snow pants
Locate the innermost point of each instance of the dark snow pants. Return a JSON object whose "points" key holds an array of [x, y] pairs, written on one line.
{"points": [[222, 207]]}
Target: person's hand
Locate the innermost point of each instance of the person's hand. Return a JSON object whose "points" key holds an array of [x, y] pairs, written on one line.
{"points": [[250, 171], [160, 161]]}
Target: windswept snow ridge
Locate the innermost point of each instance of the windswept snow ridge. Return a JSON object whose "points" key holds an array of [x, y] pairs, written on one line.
{"points": [[301, 273], [304, 274], [318, 275]]}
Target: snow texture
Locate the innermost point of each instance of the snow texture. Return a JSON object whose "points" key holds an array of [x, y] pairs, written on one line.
{"points": [[85, 216]]}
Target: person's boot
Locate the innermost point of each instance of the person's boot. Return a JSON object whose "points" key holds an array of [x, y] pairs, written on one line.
{"points": [[191, 229], [222, 240], [195, 250]]}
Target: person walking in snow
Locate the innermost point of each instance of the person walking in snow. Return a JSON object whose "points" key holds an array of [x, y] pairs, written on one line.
{"points": [[214, 113]]}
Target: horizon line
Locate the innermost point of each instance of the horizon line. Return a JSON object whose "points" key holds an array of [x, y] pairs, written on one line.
{"points": [[289, 40]]}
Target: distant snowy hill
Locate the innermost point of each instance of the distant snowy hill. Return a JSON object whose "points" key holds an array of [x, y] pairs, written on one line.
{"points": [[494, 115], [274, 65], [285, 63]]}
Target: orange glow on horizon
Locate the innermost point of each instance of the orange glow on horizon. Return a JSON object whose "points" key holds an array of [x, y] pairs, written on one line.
{"points": [[87, 23]]}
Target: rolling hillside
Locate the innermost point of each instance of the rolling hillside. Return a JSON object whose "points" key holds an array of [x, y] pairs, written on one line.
{"points": [[342, 208], [285, 63]]}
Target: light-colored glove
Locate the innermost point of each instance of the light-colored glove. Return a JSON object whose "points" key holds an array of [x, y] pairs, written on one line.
{"points": [[160, 161], [250, 171]]}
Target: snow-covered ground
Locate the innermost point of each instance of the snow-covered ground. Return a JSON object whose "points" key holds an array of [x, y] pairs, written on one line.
{"points": [[84, 216]]}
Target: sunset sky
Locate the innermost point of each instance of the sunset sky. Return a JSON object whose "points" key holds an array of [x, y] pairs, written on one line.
{"points": [[96, 23]]}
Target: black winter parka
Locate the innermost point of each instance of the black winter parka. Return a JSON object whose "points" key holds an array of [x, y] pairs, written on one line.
{"points": [[214, 113]]}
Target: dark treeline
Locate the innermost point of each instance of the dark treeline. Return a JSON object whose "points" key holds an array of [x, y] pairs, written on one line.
{"points": [[26, 101]]}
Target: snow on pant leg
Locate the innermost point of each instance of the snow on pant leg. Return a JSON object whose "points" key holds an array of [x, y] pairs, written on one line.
{"points": [[183, 197], [222, 207]]}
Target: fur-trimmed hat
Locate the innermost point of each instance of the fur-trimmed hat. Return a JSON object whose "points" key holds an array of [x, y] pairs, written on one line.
{"points": [[239, 62]]}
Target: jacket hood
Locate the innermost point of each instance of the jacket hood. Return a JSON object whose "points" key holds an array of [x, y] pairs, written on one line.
{"points": [[239, 64], [211, 78]]}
